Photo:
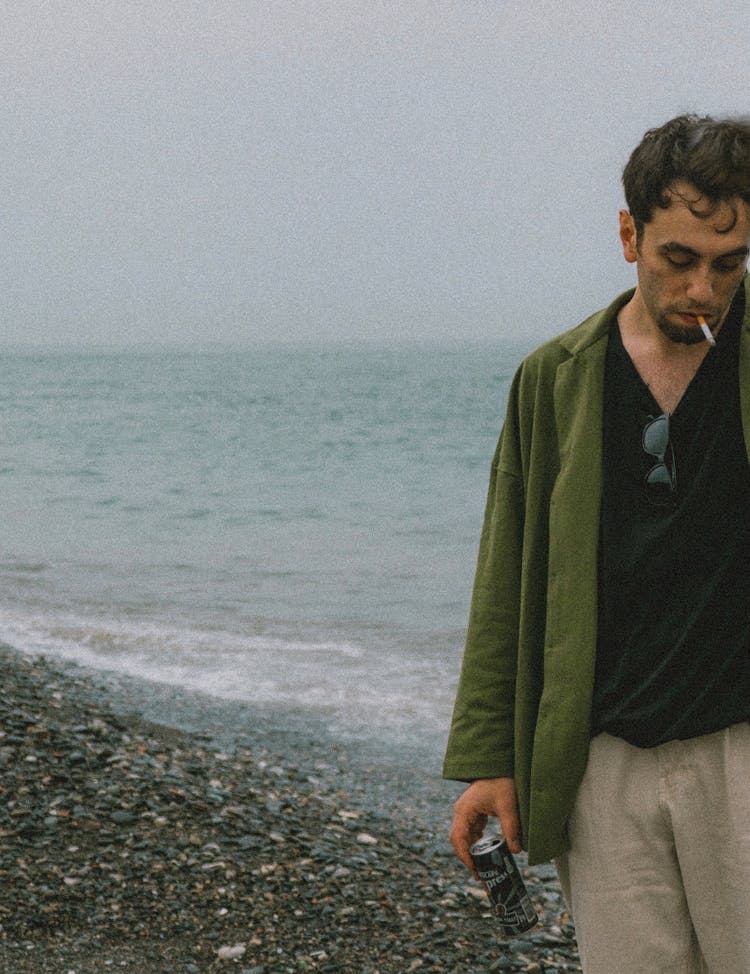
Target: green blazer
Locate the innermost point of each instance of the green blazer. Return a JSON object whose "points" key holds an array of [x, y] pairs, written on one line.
{"points": [[523, 707]]}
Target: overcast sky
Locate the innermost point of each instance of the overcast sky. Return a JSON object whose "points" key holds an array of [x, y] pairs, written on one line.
{"points": [[237, 170]]}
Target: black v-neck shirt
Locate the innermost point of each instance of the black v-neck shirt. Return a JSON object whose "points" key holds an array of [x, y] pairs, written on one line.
{"points": [[673, 653]]}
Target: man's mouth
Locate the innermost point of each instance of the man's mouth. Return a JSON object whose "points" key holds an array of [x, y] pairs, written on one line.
{"points": [[695, 317]]}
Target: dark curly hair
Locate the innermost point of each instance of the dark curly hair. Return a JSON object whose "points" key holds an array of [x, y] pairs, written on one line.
{"points": [[711, 154]]}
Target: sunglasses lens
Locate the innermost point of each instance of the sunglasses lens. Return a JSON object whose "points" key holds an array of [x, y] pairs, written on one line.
{"points": [[659, 476], [656, 436]]}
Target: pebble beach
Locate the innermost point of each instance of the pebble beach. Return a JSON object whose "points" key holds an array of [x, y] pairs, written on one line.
{"points": [[156, 831]]}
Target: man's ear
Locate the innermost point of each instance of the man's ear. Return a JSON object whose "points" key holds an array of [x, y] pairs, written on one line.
{"points": [[628, 237]]}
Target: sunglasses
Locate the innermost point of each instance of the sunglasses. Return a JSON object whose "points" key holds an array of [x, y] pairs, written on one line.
{"points": [[655, 440]]}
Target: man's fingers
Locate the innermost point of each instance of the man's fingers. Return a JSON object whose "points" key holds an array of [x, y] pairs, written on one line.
{"points": [[465, 831], [510, 824], [511, 829]]}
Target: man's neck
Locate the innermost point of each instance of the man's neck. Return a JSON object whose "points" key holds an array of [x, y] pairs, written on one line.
{"points": [[667, 367]]}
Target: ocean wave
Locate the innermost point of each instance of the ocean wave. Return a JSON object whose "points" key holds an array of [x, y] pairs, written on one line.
{"points": [[360, 689]]}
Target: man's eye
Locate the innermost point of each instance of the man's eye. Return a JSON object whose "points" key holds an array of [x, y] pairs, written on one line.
{"points": [[680, 262], [729, 266]]}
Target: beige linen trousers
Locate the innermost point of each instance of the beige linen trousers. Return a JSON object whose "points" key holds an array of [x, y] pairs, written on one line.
{"points": [[658, 872]]}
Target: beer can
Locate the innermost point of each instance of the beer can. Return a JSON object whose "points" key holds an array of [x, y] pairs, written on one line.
{"points": [[505, 888]]}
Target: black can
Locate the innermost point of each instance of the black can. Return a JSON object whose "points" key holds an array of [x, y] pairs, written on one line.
{"points": [[498, 871]]}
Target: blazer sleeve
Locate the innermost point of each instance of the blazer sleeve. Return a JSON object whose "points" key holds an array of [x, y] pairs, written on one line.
{"points": [[481, 738]]}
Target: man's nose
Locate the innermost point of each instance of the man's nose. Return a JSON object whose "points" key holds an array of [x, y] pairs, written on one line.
{"points": [[701, 286]]}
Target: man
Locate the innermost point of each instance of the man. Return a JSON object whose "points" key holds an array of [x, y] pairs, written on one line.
{"points": [[602, 712]]}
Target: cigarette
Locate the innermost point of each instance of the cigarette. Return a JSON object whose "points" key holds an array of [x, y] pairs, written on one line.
{"points": [[706, 330]]}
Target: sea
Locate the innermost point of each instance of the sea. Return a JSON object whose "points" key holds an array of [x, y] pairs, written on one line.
{"points": [[294, 527]]}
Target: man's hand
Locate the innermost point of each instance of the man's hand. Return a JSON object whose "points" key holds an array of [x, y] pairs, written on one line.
{"points": [[485, 797]]}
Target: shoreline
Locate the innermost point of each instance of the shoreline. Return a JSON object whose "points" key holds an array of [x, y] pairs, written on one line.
{"points": [[386, 767], [148, 828]]}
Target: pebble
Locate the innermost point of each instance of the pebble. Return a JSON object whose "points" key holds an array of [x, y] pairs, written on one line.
{"points": [[231, 953]]}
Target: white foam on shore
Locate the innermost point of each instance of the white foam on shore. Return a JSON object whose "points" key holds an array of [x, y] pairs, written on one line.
{"points": [[359, 690]]}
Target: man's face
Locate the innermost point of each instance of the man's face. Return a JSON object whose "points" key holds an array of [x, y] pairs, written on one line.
{"points": [[688, 265]]}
